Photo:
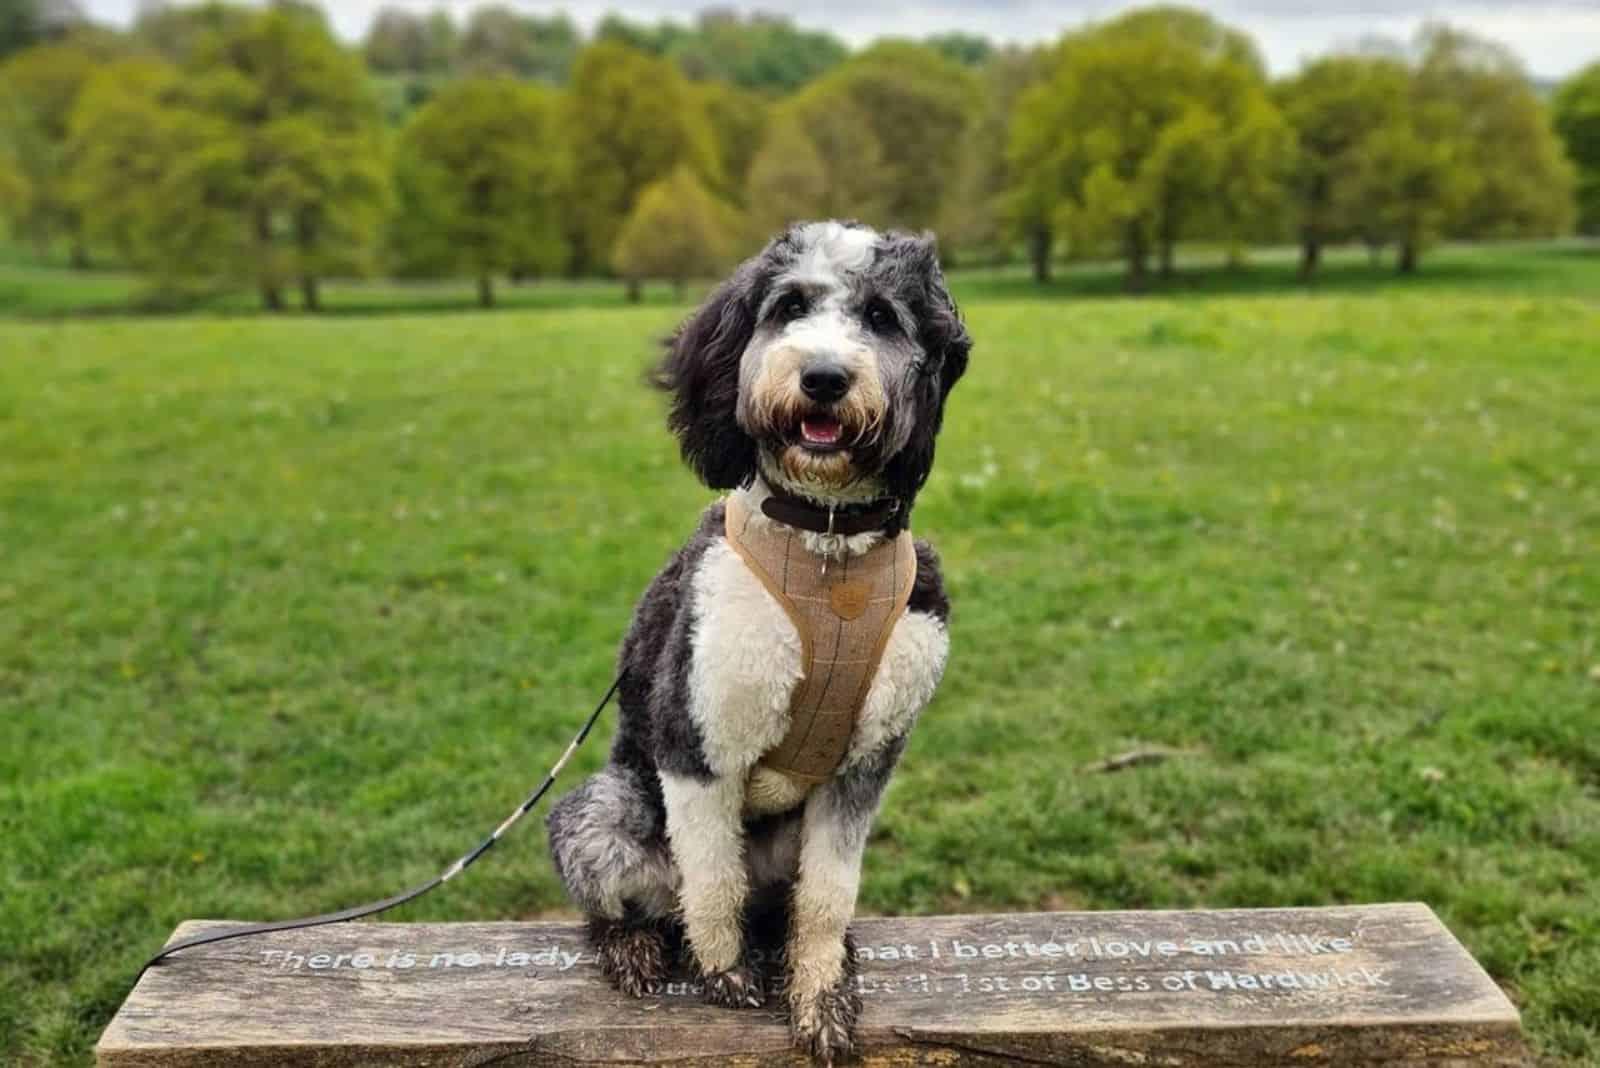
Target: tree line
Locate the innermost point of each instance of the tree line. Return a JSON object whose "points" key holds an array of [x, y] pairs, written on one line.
{"points": [[248, 146]]}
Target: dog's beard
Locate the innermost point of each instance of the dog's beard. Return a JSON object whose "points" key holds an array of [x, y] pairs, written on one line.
{"points": [[778, 417], [824, 470]]}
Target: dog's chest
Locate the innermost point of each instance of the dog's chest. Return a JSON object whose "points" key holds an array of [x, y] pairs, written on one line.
{"points": [[748, 659]]}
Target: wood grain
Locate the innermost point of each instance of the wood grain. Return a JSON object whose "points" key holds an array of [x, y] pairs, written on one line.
{"points": [[1350, 986]]}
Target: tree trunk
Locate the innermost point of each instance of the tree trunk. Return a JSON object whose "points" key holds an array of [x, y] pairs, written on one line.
{"points": [[1039, 253], [1408, 257], [679, 288], [1169, 243], [271, 296], [1310, 257], [634, 291], [1374, 254], [80, 254], [485, 291], [310, 297], [1136, 252]]}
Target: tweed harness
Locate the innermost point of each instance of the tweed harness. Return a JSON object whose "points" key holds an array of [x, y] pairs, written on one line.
{"points": [[844, 613]]}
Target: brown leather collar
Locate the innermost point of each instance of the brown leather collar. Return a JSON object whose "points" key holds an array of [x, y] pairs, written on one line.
{"points": [[813, 517]]}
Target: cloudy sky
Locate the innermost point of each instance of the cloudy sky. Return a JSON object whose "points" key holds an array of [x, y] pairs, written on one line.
{"points": [[1554, 37]]}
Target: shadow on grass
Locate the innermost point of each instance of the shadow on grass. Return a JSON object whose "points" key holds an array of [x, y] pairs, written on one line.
{"points": [[1566, 267]]}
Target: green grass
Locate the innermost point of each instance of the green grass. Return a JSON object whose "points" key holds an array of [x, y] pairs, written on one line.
{"points": [[292, 610]]}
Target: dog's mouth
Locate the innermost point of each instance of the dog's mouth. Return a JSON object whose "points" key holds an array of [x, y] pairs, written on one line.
{"points": [[820, 432]]}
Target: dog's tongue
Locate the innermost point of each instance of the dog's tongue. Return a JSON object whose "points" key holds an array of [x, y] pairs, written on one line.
{"points": [[820, 430]]}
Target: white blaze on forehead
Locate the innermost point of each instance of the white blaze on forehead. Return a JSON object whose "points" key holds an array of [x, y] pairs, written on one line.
{"points": [[832, 252]]}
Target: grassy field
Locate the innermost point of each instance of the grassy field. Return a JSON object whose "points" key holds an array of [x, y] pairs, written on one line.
{"points": [[292, 610]]}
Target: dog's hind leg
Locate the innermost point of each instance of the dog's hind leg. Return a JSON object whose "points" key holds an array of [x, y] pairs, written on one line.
{"points": [[610, 852]]}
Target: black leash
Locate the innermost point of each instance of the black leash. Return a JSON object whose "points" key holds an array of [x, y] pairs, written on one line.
{"points": [[388, 903]]}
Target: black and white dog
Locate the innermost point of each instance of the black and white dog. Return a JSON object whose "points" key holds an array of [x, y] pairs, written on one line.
{"points": [[811, 385]]}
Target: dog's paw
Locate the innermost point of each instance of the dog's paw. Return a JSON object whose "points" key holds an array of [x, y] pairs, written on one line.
{"points": [[634, 959], [824, 1024], [740, 987]]}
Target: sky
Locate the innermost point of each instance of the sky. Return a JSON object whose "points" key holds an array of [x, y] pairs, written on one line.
{"points": [[1553, 37]]}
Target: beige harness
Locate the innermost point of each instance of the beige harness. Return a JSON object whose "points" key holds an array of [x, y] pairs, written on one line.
{"points": [[844, 611]]}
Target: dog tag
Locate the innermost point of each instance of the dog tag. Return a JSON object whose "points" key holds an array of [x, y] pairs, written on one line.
{"points": [[849, 599]]}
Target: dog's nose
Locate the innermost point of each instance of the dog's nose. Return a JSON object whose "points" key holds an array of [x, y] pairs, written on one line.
{"points": [[824, 382]]}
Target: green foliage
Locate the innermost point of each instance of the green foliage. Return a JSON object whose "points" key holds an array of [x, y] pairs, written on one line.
{"points": [[677, 231], [965, 48], [973, 217], [788, 181], [632, 118], [757, 51], [1576, 115], [481, 179], [1145, 123], [403, 42], [1521, 181], [38, 89], [500, 40], [889, 125], [1192, 28], [738, 121], [20, 25], [173, 31], [1335, 106], [1408, 185], [298, 169], [138, 162]]}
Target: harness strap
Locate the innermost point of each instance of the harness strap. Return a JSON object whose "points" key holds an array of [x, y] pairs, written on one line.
{"points": [[844, 614]]}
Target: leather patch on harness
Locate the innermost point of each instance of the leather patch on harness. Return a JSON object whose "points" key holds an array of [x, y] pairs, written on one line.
{"points": [[849, 599], [844, 611]]}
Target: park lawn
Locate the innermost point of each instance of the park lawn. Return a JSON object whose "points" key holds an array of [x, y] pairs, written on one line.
{"points": [[292, 611]]}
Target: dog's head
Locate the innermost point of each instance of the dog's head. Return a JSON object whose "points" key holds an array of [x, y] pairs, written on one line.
{"points": [[823, 363]]}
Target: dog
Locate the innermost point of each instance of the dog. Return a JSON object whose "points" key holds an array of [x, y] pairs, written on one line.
{"points": [[775, 667]]}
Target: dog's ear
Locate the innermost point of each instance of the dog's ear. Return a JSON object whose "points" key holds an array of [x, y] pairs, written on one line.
{"points": [[946, 345], [701, 372], [944, 336]]}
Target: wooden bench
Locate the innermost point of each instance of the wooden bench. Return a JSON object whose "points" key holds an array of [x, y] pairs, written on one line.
{"points": [[1371, 985]]}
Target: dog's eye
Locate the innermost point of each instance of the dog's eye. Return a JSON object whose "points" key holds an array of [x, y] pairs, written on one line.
{"points": [[791, 306], [881, 318]]}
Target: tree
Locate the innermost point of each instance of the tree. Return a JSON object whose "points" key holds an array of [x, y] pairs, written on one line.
{"points": [[396, 42], [21, 25], [1143, 123], [1481, 96], [38, 89], [677, 231], [974, 214], [124, 142], [480, 180], [1408, 183], [499, 40], [1253, 167], [631, 120], [738, 121], [173, 30], [915, 106], [301, 167], [1576, 114], [788, 182], [757, 51], [1335, 105], [967, 49]]}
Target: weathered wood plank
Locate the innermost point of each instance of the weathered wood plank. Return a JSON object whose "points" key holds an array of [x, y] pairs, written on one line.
{"points": [[1370, 985]]}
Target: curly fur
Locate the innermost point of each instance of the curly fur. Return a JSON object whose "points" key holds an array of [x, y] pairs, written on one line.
{"points": [[678, 848]]}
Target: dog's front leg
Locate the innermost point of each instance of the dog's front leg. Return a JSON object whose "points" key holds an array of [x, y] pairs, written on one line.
{"points": [[707, 839], [824, 1003]]}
